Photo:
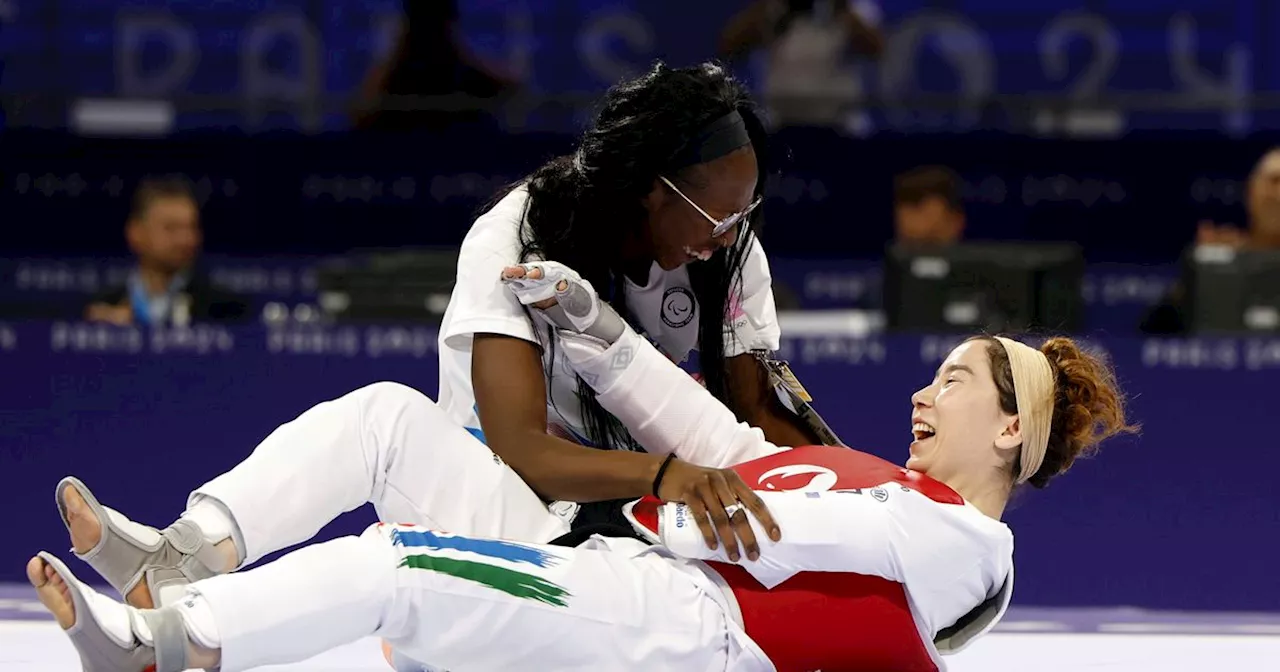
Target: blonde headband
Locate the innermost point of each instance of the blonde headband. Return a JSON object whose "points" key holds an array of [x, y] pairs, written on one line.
{"points": [[1033, 383]]}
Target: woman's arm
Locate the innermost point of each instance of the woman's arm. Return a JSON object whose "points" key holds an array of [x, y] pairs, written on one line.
{"points": [[755, 402], [889, 531], [826, 532], [510, 392], [752, 327], [510, 396], [487, 333], [661, 405], [664, 408]]}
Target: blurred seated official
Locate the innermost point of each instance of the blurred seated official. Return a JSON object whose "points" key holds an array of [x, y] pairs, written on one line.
{"points": [[928, 209], [813, 53], [165, 288], [1262, 202]]}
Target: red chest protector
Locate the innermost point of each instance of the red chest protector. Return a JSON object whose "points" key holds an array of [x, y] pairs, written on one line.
{"points": [[833, 622]]}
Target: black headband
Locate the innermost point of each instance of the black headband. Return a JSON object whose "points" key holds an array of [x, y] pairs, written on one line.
{"points": [[717, 139]]}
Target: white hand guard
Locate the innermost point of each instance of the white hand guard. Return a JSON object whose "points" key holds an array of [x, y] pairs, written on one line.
{"points": [[577, 308]]}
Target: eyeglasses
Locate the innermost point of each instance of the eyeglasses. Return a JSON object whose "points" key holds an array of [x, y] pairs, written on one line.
{"points": [[719, 227]]}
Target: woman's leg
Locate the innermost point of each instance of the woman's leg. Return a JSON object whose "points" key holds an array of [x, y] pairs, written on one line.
{"points": [[385, 443], [462, 602]]}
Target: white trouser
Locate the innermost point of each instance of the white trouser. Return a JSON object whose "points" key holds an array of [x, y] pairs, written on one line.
{"points": [[476, 604], [387, 444]]}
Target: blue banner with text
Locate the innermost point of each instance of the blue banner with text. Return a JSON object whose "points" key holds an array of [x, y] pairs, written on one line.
{"points": [[1132, 200]]}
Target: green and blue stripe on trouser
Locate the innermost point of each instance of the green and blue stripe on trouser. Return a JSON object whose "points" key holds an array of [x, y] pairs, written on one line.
{"points": [[466, 603], [494, 604]]}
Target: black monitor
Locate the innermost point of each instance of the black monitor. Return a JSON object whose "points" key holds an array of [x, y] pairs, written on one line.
{"points": [[381, 286], [996, 287], [1232, 291]]}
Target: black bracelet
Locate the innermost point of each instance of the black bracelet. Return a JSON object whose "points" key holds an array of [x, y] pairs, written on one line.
{"points": [[662, 470]]}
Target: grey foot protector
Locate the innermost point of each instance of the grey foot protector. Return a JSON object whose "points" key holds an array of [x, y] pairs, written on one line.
{"points": [[179, 557], [101, 652]]}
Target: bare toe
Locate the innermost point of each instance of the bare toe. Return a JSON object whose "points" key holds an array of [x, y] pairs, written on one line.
{"points": [[86, 529], [36, 573], [54, 595]]}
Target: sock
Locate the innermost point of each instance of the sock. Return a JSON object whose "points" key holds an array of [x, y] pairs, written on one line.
{"points": [[212, 517], [198, 619], [115, 619]]}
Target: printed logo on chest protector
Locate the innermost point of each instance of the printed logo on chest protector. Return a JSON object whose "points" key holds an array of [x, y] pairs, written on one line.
{"points": [[802, 477], [677, 307]]}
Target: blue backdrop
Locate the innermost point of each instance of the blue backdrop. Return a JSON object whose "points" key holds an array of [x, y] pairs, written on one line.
{"points": [[1213, 50], [1181, 517]]}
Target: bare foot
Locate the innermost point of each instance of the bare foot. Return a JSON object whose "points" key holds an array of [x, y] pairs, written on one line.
{"points": [[86, 532], [55, 595], [52, 591], [86, 529]]}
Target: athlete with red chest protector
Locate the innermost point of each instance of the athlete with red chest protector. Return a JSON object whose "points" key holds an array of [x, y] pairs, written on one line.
{"points": [[825, 620], [891, 567]]}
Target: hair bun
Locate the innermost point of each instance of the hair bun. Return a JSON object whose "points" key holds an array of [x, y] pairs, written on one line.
{"points": [[1088, 407]]}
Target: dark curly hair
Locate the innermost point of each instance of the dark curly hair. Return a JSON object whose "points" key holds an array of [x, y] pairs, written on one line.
{"points": [[582, 206]]}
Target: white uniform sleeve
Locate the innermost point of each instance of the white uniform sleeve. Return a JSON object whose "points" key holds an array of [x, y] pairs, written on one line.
{"points": [[821, 532], [753, 323], [664, 408], [480, 302], [944, 554]]}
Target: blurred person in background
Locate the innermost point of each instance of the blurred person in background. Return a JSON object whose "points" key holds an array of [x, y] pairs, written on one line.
{"points": [[1262, 203], [165, 287], [430, 59], [928, 209], [1263, 210], [812, 73]]}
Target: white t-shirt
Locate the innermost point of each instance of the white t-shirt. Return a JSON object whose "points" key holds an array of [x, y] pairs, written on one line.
{"points": [[664, 310]]}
